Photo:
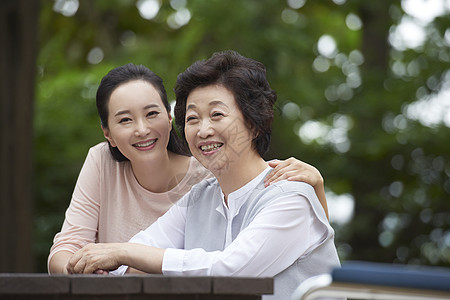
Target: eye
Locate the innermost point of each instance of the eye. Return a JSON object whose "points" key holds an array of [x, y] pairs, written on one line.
{"points": [[217, 115], [125, 120], [153, 113], [190, 119]]}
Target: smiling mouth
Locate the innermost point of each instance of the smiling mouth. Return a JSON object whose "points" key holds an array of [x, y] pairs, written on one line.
{"points": [[145, 144], [211, 147]]}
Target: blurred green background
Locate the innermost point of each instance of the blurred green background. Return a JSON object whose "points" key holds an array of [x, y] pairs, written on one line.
{"points": [[363, 94]]}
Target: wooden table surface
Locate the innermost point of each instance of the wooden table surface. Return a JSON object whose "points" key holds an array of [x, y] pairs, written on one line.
{"points": [[130, 287]]}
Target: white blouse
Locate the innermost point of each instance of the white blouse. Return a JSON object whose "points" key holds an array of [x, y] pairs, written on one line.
{"points": [[282, 232]]}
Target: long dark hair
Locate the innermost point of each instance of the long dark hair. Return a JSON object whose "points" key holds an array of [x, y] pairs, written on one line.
{"points": [[124, 74]]}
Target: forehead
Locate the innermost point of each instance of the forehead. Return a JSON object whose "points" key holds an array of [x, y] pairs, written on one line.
{"points": [[134, 91], [210, 95]]}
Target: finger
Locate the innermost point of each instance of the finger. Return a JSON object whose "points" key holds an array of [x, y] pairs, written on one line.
{"points": [[281, 169], [273, 163], [81, 258], [283, 174], [79, 267], [270, 177], [101, 272], [292, 174], [67, 269], [90, 269], [299, 177], [97, 263], [277, 164], [71, 263]]}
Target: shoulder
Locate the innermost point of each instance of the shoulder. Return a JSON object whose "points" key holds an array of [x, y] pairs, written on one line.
{"points": [[280, 191], [102, 153], [206, 189], [100, 156], [197, 167], [197, 172], [202, 196], [206, 185], [100, 150], [285, 187]]}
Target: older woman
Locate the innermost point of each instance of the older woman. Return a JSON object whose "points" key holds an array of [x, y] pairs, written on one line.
{"points": [[230, 225]]}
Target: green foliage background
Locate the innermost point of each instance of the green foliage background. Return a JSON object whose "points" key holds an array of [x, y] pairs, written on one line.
{"points": [[396, 169]]}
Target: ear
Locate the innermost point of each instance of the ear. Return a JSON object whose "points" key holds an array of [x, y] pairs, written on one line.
{"points": [[107, 135], [252, 129], [170, 121]]}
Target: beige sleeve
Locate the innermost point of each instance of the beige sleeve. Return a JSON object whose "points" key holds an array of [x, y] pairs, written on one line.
{"points": [[81, 220]]}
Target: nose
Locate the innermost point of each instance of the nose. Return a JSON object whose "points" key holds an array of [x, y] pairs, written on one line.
{"points": [[142, 128], [205, 129]]}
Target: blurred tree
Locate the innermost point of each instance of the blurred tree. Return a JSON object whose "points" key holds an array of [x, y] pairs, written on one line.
{"points": [[18, 37], [346, 103]]}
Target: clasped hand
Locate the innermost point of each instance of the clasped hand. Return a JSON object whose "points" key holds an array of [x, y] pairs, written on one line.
{"points": [[96, 258]]}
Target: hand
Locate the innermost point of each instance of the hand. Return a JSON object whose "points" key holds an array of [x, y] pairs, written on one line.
{"points": [[293, 169], [96, 258]]}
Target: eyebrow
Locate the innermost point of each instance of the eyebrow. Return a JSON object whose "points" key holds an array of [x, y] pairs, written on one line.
{"points": [[123, 112], [212, 103]]}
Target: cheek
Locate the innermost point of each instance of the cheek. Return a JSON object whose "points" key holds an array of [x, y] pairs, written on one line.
{"points": [[170, 127], [189, 135], [117, 136], [161, 127]]}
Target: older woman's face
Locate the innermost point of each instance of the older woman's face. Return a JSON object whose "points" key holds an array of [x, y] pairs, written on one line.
{"points": [[215, 128]]}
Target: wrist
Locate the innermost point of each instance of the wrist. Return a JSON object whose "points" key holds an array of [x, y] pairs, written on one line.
{"points": [[124, 254]]}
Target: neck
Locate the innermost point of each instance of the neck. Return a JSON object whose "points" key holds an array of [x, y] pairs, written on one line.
{"points": [[162, 174], [239, 174]]}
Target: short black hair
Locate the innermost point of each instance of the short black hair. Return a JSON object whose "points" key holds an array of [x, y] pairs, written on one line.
{"points": [[245, 78]]}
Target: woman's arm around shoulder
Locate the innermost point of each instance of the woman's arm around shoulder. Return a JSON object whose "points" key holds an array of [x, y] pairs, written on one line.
{"points": [[293, 169]]}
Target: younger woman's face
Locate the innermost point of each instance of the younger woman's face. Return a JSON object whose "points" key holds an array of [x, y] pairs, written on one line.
{"points": [[215, 128], [138, 123]]}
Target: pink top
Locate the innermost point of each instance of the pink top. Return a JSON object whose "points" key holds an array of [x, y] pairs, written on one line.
{"points": [[109, 205]]}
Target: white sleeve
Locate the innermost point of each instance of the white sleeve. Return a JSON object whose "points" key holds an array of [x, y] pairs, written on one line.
{"points": [[281, 233]]}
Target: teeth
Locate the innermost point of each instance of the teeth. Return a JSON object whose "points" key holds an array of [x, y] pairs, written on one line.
{"points": [[211, 147], [145, 144]]}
